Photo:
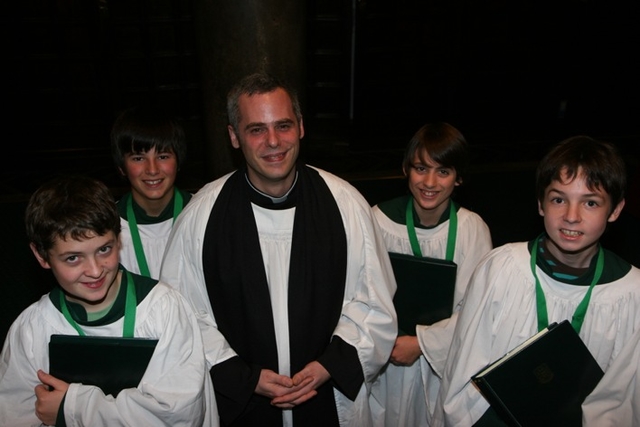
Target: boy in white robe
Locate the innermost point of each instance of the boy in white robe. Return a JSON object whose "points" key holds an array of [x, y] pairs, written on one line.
{"points": [[434, 163], [148, 148], [73, 226], [287, 271], [580, 189]]}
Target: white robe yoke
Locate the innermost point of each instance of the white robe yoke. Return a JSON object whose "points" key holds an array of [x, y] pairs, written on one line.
{"points": [[154, 239]]}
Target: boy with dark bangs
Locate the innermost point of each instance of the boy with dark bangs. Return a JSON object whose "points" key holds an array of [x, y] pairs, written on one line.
{"points": [[435, 163], [148, 147], [73, 229], [565, 273]]}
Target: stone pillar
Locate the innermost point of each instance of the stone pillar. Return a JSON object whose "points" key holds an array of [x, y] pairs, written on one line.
{"points": [[236, 38]]}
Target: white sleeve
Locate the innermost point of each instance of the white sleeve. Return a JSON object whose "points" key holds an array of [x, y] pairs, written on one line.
{"points": [[20, 359], [492, 320], [368, 321], [473, 243], [459, 401], [616, 399], [182, 269], [435, 341]]}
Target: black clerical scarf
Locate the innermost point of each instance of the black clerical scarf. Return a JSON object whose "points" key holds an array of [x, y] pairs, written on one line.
{"points": [[237, 283]]}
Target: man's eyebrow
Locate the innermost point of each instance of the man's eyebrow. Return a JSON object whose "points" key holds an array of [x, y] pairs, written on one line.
{"points": [[262, 124], [254, 124]]}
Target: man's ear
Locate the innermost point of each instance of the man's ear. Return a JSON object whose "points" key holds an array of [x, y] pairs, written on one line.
{"points": [[232, 135], [301, 128], [43, 262], [616, 212]]}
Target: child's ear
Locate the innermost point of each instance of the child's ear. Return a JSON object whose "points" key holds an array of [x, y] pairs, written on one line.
{"points": [[540, 210], [616, 212], [43, 262]]}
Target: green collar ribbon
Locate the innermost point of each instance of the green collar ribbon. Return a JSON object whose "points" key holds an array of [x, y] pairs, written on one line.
{"points": [[451, 238], [135, 233], [541, 303], [129, 310]]}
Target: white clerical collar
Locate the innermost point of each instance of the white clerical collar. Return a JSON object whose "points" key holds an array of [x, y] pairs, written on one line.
{"points": [[275, 200]]}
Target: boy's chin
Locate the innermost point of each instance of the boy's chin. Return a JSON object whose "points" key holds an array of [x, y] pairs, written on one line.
{"points": [[561, 248]]}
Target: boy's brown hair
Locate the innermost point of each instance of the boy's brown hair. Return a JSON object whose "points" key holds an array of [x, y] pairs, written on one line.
{"points": [[69, 206], [600, 162], [444, 144]]}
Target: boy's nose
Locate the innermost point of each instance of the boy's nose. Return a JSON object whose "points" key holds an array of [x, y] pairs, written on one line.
{"points": [[152, 167], [93, 268], [430, 179], [572, 214]]}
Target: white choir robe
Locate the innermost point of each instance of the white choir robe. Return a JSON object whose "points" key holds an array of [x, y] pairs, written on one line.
{"points": [[406, 395], [176, 389], [499, 313]]}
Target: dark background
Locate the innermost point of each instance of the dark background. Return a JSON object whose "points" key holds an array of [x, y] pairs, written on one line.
{"points": [[514, 77]]}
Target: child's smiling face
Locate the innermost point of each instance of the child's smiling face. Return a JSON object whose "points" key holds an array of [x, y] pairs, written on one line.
{"points": [[431, 185], [86, 269], [575, 217]]}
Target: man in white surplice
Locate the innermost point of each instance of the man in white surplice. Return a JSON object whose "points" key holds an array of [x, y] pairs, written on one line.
{"points": [[288, 274]]}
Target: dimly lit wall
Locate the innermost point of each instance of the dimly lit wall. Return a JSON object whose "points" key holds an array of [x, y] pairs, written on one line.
{"points": [[512, 76]]}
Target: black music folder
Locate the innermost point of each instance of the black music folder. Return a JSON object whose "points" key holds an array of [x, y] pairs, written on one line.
{"points": [[543, 381], [425, 290], [111, 363]]}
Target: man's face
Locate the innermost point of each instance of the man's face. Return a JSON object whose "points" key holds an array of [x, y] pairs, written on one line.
{"points": [[269, 136]]}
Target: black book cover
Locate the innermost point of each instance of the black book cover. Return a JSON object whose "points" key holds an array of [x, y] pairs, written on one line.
{"points": [[425, 290], [111, 363], [543, 381]]}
